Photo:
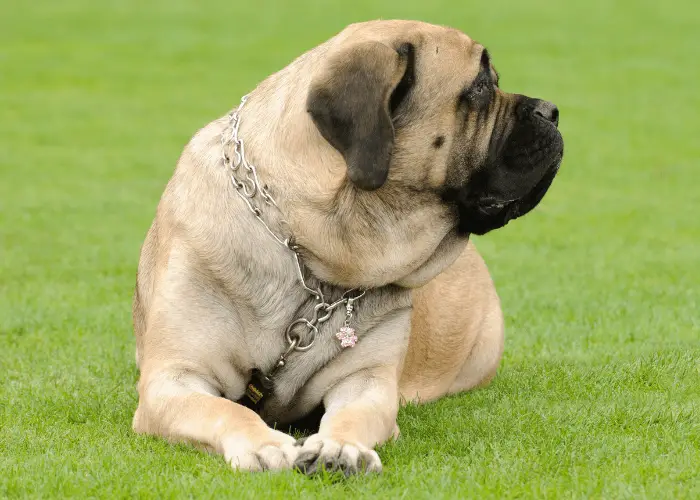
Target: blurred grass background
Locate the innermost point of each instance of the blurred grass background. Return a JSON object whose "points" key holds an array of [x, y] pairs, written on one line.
{"points": [[599, 392]]}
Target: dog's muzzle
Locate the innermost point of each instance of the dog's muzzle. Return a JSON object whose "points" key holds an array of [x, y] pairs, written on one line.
{"points": [[520, 167]]}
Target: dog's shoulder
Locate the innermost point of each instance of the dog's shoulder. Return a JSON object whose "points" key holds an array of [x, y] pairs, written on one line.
{"points": [[204, 147]]}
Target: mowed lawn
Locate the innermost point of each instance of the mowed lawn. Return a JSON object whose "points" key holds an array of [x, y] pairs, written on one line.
{"points": [[599, 391]]}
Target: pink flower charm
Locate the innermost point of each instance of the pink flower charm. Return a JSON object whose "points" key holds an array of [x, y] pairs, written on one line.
{"points": [[347, 336]]}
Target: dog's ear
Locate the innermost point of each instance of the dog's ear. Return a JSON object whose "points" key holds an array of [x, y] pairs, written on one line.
{"points": [[351, 101]]}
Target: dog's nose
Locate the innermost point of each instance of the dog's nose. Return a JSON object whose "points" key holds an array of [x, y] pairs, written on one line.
{"points": [[548, 111]]}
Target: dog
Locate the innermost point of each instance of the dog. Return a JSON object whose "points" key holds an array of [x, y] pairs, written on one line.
{"points": [[311, 249]]}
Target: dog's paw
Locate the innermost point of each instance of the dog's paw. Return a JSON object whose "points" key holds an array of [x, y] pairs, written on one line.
{"points": [[277, 453], [318, 453], [274, 458]]}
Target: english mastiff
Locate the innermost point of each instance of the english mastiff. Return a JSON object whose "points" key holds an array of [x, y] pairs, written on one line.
{"points": [[311, 248]]}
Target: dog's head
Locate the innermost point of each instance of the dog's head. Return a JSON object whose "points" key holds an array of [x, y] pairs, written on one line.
{"points": [[419, 106]]}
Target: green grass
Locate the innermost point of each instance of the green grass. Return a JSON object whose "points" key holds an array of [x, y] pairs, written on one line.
{"points": [[599, 391]]}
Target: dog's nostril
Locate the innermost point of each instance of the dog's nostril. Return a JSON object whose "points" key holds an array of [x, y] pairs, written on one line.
{"points": [[548, 111], [555, 116]]}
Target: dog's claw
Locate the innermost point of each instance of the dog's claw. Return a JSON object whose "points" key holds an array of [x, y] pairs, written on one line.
{"points": [[326, 454]]}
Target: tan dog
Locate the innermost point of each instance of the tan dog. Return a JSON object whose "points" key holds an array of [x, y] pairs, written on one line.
{"points": [[382, 149]]}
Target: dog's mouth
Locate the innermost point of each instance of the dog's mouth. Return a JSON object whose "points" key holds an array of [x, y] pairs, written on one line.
{"points": [[507, 210], [488, 213]]}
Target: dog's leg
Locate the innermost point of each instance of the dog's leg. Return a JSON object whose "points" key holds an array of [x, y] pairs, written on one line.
{"points": [[182, 406], [482, 363], [360, 413]]}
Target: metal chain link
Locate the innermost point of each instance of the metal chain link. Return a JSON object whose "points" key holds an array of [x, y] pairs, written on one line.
{"points": [[248, 187]]}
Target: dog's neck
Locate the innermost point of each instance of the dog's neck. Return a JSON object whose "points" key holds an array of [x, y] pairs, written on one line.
{"points": [[347, 237]]}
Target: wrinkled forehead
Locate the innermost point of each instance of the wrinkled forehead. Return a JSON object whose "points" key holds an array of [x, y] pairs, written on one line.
{"points": [[451, 59], [446, 58]]}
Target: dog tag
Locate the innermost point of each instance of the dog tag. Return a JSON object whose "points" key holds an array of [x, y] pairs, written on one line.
{"points": [[256, 392], [347, 337]]}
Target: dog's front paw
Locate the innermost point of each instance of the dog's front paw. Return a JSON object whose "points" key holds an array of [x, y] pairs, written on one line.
{"points": [[277, 453], [318, 453]]}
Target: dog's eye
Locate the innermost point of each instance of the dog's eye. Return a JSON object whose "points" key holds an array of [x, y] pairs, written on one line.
{"points": [[476, 95], [479, 89]]}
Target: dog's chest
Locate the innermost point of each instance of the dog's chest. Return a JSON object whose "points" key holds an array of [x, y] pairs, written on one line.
{"points": [[330, 355], [300, 366]]}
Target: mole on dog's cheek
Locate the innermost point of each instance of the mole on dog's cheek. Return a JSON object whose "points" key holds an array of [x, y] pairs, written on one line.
{"points": [[439, 141]]}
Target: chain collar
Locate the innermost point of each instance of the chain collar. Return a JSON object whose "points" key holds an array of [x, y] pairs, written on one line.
{"points": [[244, 178]]}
